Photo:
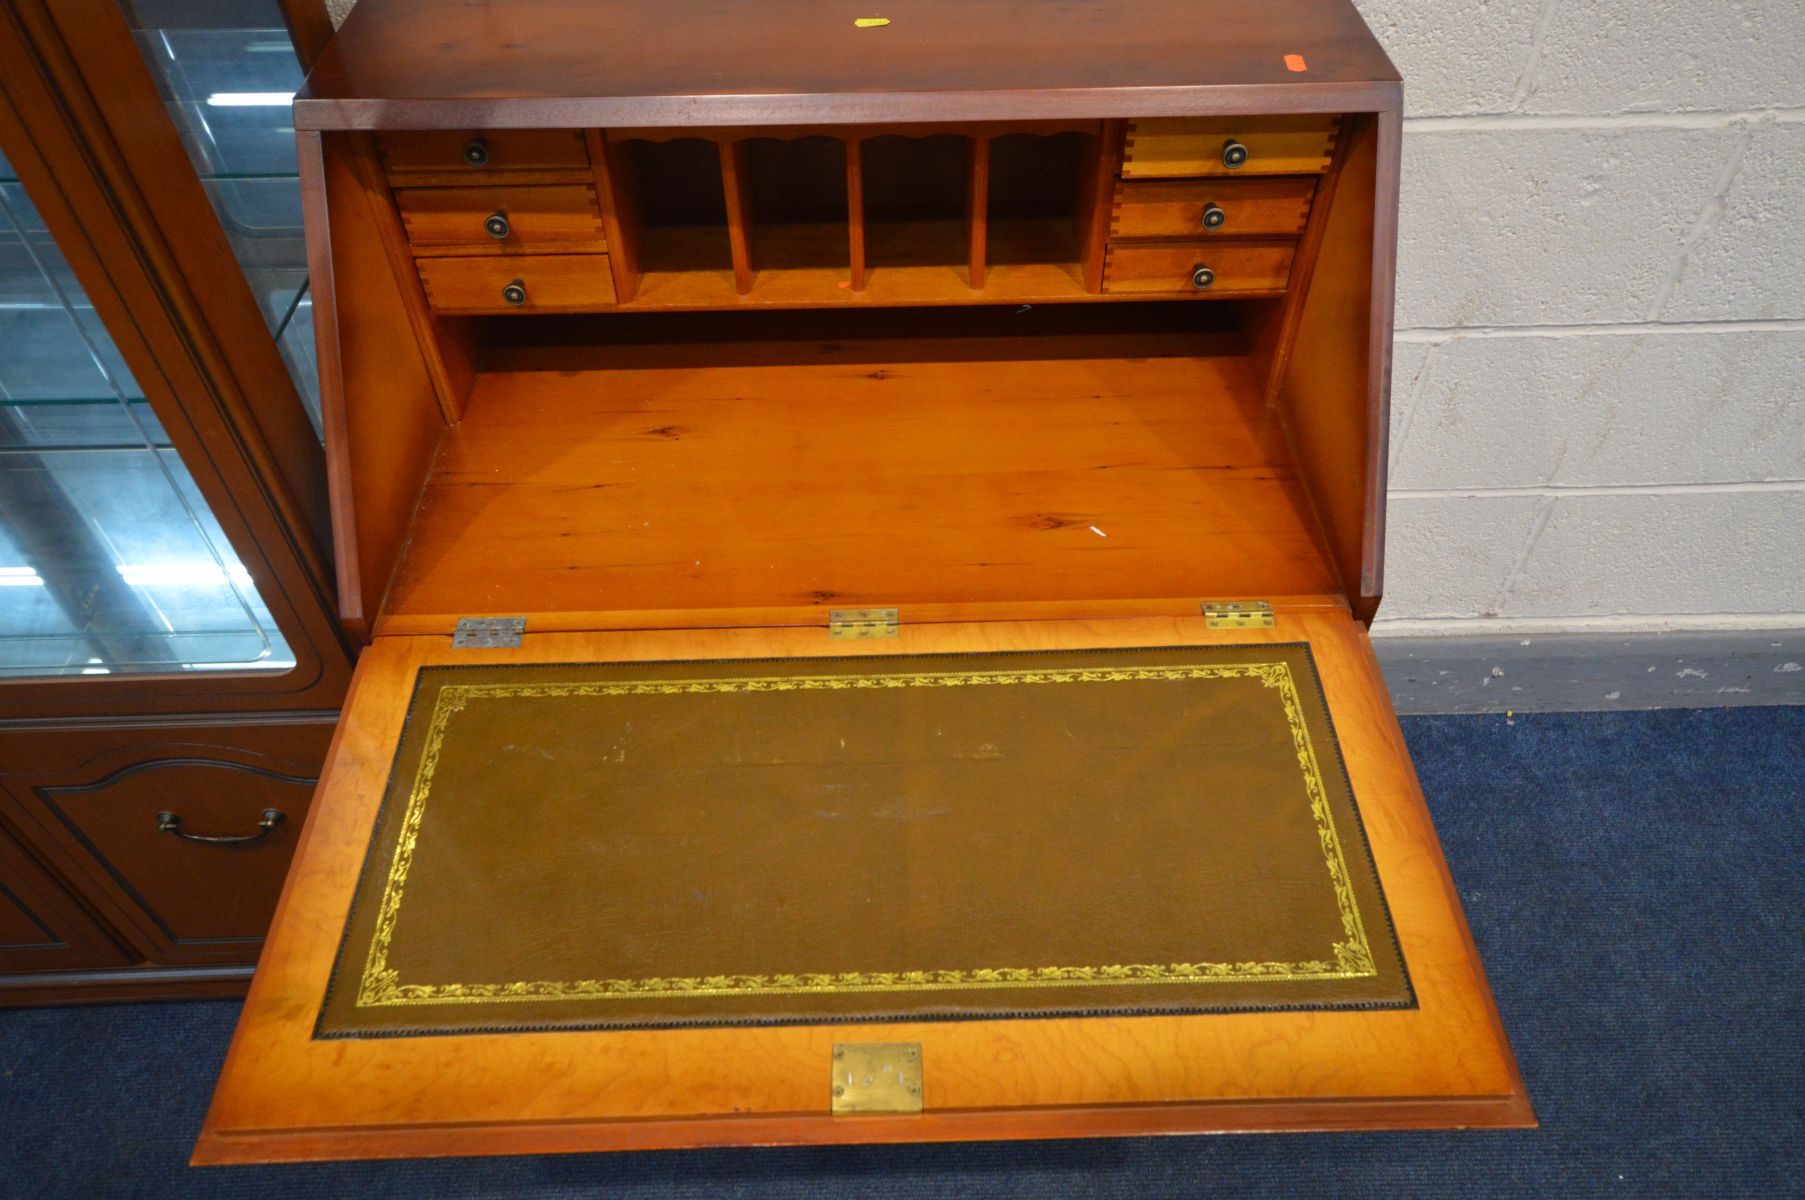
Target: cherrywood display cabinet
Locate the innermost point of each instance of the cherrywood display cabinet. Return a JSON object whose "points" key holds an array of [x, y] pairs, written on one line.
{"points": [[786, 331], [169, 643]]}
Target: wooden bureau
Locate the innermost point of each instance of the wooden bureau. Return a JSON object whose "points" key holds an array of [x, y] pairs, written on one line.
{"points": [[669, 335]]}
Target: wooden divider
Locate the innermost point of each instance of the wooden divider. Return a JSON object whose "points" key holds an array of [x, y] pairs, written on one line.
{"points": [[977, 207], [855, 209], [739, 212]]}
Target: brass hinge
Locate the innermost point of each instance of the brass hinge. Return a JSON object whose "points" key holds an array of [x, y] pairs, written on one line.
{"points": [[488, 633], [1237, 614], [862, 622], [877, 1077]]}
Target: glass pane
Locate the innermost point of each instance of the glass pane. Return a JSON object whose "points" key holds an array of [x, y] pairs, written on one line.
{"points": [[110, 561], [228, 73], [296, 343], [53, 350], [262, 220]]}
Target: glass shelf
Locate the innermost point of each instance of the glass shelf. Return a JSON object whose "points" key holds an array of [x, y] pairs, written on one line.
{"points": [[97, 423]]}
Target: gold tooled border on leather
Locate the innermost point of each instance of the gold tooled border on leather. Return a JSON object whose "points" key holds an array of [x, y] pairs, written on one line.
{"points": [[1351, 958]]}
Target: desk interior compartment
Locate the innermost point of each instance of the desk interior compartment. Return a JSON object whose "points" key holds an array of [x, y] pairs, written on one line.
{"points": [[675, 190], [679, 468], [796, 206]]}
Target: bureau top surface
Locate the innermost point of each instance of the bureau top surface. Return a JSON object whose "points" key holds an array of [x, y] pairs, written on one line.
{"points": [[424, 64]]}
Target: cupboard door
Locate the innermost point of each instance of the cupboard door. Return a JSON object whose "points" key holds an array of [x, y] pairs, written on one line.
{"points": [[42, 928], [182, 836], [619, 890]]}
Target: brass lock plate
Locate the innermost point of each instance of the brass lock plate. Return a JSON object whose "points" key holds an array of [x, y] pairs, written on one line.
{"points": [[877, 1077]]}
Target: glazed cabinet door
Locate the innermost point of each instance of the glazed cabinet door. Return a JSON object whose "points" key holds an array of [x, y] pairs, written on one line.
{"points": [[161, 502]]}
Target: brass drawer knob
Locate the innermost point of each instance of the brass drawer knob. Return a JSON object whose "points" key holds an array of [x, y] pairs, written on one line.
{"points": [[476, 152], [1202, 277], [1233, 154], [515, 293], [1213, 216], [496, 225]]}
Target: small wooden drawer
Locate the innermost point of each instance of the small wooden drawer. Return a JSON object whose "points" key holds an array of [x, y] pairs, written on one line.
{"points": [[1234, 268], [1170, 147], [501, 219], [489, 150], [1185, 208], [546, 283]]}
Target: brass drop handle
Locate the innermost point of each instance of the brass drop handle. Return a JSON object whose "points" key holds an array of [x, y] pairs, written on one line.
{"points": [[515, 293], [496, 225], [168, 822], [476, 152], [1202, 277], [1234, 154], [1213, 216]]}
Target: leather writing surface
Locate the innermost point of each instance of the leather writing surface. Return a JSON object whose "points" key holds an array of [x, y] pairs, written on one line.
{"points": [[861, 838]]}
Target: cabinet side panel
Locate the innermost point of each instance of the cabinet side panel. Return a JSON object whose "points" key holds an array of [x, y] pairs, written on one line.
{"points": [[1333, 392], [383, 414]]}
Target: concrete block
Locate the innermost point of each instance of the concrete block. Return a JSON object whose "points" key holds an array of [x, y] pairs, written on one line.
{"points": [[1448, 556], [1409, 361], [1600, 410], [1681, 552], [1548, 227], [1748, 262], [1455, 58], [1619, 56]]}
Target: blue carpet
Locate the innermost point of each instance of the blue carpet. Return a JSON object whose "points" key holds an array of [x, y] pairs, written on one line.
{"points": [[1634, 882]]}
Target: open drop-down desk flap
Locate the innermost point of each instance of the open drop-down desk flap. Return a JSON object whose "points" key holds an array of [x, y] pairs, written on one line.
{"points": [[633, 889]]}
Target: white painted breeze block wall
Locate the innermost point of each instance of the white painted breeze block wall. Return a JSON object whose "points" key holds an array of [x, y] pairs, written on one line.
{"points": [[1598, 407], [1598, 414]]}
